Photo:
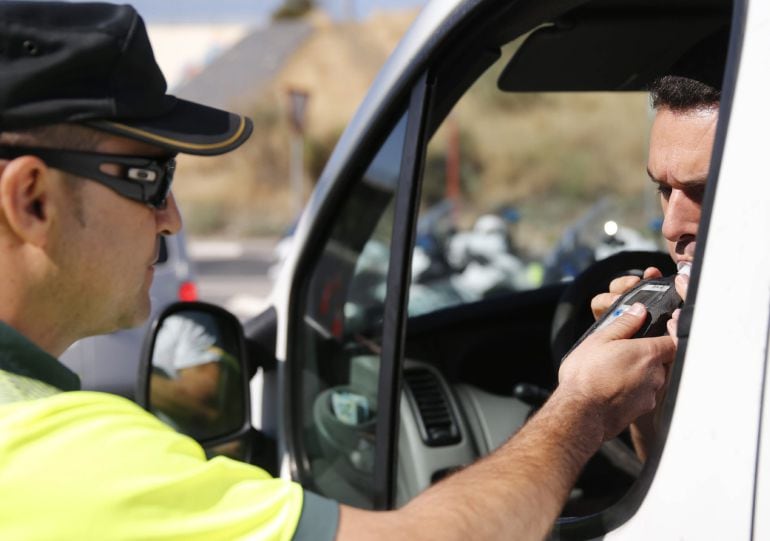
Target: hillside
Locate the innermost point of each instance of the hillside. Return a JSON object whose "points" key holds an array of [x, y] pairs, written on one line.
{"points": [[246, 192]]}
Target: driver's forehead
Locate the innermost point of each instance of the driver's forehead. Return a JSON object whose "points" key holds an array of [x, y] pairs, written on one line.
{"points": [[681, 144]]}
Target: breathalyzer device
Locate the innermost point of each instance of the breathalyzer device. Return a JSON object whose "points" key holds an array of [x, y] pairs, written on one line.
{"points": [[658, 295]]}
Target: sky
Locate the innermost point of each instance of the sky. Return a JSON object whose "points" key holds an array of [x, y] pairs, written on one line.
{"points": [[162, 11], [184, 50]]}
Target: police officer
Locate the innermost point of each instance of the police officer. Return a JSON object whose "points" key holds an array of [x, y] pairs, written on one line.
{"points": [[88, 137]]}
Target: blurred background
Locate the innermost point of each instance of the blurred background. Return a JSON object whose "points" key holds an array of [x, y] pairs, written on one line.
{"points": [[274, 61], [300, 68]]}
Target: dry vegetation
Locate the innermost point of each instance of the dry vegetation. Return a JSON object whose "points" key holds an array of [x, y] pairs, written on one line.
{"points": [[551, 155], [508, 141], [246, 192]]}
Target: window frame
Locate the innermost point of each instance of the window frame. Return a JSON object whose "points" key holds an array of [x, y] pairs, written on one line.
{"points": [[290, 373], [428, 118], [397, 298]]}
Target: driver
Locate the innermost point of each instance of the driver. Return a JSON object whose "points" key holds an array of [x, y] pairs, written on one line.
{"points": [[686, 105]]}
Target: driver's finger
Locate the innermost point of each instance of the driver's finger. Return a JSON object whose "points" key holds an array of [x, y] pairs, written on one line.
{"points": [[601, 303], [672, 324]]}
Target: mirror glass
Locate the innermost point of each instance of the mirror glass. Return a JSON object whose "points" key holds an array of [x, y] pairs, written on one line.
{"points": [[196, 385]]}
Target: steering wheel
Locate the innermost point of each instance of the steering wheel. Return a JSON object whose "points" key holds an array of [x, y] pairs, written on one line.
{"points": [[573, 317]]}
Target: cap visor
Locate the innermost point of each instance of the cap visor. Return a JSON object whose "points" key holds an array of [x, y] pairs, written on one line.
{"points": [[189, 128]]}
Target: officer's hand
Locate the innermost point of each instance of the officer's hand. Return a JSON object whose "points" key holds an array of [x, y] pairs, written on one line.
{"points": [[616, 377], [602, 302]]}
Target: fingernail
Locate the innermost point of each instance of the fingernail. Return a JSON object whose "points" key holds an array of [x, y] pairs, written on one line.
{"points": [[637, 309]]}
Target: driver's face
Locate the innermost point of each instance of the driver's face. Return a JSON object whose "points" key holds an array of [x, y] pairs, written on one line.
{"points": [[680, 153]]}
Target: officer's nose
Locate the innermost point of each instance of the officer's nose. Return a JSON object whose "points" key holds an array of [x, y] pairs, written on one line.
{"points": [[168, 219]]}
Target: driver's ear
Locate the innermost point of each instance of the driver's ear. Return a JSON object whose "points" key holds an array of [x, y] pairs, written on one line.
{"points": [[25, 199]]}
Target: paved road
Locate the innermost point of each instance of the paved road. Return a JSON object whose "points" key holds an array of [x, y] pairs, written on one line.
{"points": [[233, 274]]}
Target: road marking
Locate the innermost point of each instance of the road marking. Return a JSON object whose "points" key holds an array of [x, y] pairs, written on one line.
{"points": [[215, 249], [246, 306]]}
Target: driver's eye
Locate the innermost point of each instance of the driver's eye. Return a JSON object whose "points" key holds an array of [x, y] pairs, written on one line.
{"points": [[664, 191], [696, 193]]}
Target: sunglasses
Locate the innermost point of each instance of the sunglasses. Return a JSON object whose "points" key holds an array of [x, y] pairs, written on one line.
{"points": [[142, 179]]}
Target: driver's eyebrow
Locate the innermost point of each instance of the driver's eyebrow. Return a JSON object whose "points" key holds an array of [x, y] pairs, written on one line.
{"points": [[654, 180], [696, 182]]}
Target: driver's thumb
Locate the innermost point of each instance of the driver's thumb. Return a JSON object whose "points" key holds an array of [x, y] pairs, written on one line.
{"points": [[625, 325]]}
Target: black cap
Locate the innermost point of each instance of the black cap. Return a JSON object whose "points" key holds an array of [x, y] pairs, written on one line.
{"points": [[92, 63]]}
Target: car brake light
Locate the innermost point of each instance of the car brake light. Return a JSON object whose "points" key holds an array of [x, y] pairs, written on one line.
{"points": [[188, 292]]}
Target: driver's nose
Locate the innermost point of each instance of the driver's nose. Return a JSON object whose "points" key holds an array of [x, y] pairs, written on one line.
{"points": [[681, 216]]}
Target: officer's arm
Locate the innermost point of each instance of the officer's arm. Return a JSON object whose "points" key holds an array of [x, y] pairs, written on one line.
{"points": [[518, 491]]}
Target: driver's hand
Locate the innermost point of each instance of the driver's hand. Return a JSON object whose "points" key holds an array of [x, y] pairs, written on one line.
{"points": [[681, 283], [616, 377], [602, 302]]}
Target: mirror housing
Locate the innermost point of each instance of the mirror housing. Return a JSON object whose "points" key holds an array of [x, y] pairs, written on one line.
{"points": [[193, 375]]}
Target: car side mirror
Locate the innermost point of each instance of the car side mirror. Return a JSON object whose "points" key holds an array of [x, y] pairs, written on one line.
{"points": [[193, 374]]}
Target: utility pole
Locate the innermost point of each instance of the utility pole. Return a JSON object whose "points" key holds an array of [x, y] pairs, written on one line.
{"points": [[452, 190], [297, 107]]}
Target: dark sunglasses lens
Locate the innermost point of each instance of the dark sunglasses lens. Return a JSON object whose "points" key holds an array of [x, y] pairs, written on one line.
{"points": [[160, 197]]}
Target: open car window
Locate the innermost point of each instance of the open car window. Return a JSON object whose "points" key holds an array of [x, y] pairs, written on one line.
{"points": [[524, 190]]}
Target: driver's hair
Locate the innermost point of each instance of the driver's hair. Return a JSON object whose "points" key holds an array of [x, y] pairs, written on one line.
{"points": [[683, 94]]}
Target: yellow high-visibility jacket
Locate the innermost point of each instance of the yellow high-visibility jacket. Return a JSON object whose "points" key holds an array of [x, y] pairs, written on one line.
{"points": [[86, 465]]}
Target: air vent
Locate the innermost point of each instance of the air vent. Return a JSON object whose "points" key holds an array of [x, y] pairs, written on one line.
{"points": [[438, 425]]}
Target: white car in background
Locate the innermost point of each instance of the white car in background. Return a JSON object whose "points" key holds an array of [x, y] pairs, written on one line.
{"points": [[109, 362]]}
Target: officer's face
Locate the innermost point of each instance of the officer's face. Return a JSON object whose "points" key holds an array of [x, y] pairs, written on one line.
{"points": [[679, 158], [114, 245]]}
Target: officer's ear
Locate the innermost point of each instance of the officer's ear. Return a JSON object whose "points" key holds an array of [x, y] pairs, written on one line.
{"points": [[25, 198]]}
